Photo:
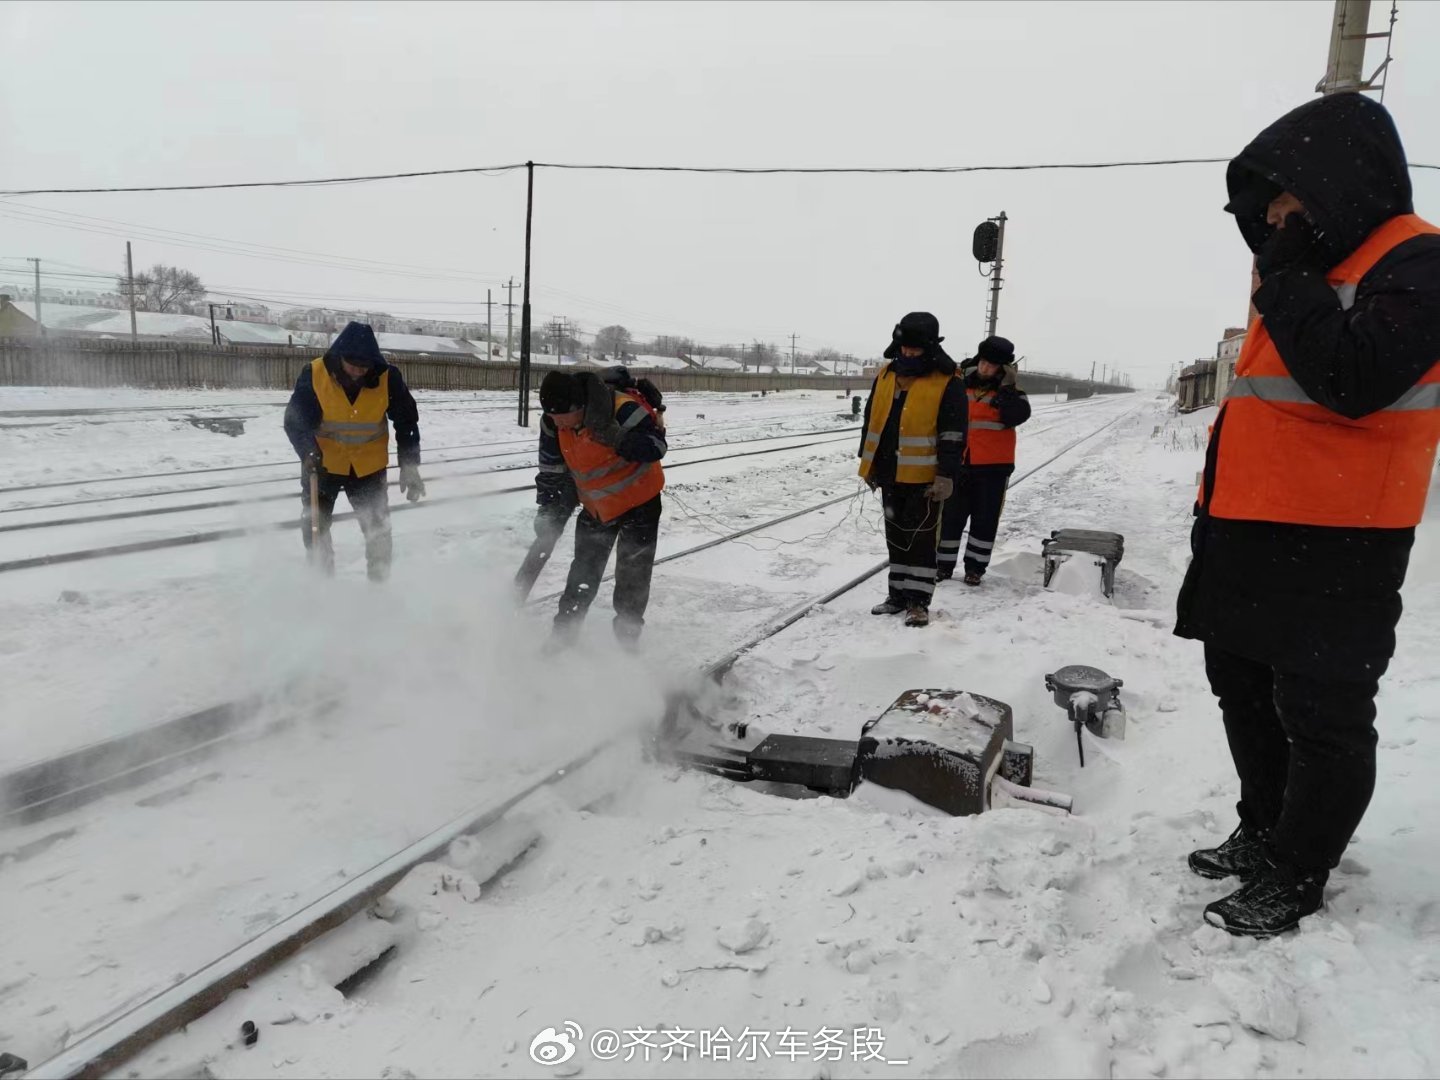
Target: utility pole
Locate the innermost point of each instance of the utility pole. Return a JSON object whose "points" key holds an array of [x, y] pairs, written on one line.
{"points": [[130, 289], [214, 332], [40, 322], [995, 276], [509, 315], [793, 336], [1092, 371], [487, 320], [1345, 63], [524, 415]]}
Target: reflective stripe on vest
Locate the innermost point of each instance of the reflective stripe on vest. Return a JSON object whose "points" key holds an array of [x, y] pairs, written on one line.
{"points": [[991, 442], [1284, 457], [915, 457], [351, 437], [608, 484]]}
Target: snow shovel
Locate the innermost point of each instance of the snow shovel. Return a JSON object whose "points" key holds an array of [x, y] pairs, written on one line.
{"points": [[541, 548]]}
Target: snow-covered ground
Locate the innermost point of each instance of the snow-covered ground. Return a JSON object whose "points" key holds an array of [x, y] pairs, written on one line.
{"points": [[1010, 944]]}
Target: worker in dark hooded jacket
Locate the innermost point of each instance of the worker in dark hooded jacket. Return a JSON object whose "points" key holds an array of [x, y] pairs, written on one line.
{"points": [[555, 494], [911, 448], [336, 421], [1315, 478], [610, 443], [997, 408]]}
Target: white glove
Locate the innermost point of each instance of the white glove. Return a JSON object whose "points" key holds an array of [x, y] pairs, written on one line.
{"points": [[940, 489], [411, 486]]}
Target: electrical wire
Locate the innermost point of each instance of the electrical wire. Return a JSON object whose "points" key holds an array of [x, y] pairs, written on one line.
{"points": [[742, 170]]}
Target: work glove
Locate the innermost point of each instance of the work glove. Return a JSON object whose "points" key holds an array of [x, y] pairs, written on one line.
{"points": [[940, 489], [651, 393], [1295, 247], [411, 486], [1007, 378], [310, 463]]}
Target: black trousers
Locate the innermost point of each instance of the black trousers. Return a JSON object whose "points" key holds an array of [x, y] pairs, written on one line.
{"points": [[635, 534], [978, 500], [1304, 750], [912, 524], [370, 499]]}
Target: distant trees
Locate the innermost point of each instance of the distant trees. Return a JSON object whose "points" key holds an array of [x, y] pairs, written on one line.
{"points": [[612, 340], [762, 355], [163, 288], [670, 345]]}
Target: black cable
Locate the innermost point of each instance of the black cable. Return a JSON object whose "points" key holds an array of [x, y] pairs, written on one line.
{"points": [[494, 170], [497, 170], [765, 171]]}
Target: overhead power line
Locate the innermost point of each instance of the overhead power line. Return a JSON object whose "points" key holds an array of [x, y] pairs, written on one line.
{"points": [[493, 170], [500, 170]]}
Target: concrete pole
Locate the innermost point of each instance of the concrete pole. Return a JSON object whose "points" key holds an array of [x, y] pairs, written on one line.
{"points": [[130, 288], [995, 278], [1345, 64]]}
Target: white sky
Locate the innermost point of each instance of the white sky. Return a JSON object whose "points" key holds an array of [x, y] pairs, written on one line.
{"points": [[1138, 269]]}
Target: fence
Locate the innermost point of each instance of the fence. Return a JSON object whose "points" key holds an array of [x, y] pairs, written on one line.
{"points": [[165, 365]]}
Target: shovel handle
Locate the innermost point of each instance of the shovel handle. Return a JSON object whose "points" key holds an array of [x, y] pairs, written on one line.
{"points": [[314, 504]]}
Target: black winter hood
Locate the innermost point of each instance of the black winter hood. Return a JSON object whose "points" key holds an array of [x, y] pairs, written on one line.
{"points": [[1339, 155], [357, 344]]}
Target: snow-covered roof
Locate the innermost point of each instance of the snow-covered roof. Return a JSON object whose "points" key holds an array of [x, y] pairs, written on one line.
{"points": [[424, 343], [715, 363], [671, 363]]}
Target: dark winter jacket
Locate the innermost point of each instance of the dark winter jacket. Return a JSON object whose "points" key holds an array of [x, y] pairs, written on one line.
{"points": [[642, 440], [1310, 600], [953, 418], [303, 414]]}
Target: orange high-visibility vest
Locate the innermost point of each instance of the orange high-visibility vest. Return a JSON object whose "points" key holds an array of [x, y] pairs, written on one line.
{"points": [[1284, 457], [351, 436], [991, 442], [915, 458], [607, 483]]}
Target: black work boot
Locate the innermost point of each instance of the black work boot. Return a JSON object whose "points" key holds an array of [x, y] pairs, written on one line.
{"points": [[916, 615], [1242, 856], [890, 606], [1272, 902]]}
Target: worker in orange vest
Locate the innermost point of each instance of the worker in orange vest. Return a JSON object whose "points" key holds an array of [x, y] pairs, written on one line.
{"points": [[997, 408], [555, 496], [1315, 478], [336, 421], [611, 442]]}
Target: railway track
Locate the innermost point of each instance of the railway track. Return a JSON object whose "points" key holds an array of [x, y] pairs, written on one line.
{"points": [[117, 1039], [69, 780], [290, 494], [214, 535], [525, 442]]}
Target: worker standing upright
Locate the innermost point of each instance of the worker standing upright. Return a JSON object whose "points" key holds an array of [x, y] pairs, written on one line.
{"points": [[997, 408], [610, 442], [1316, 476], [911, 448], [336, 422]]}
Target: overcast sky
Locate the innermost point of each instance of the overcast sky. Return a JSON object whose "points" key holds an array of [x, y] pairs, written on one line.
{"points": [[1138, 268]]}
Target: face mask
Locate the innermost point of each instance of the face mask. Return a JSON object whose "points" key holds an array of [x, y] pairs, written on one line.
{"points": [[910, 365]]}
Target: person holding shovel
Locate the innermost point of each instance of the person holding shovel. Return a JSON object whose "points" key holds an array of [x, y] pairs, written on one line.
{"points": [[336, 421]]}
